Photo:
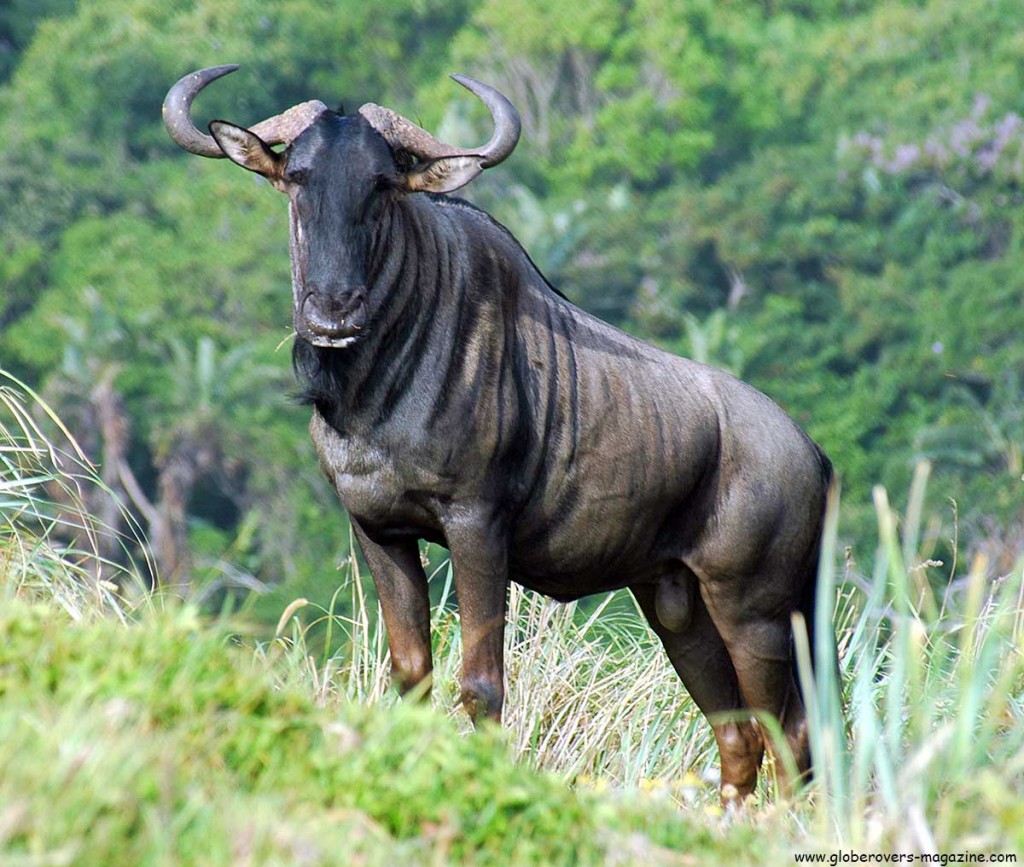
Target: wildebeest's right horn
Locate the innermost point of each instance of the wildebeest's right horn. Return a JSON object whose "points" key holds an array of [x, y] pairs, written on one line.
{"points": [[280, 129]]}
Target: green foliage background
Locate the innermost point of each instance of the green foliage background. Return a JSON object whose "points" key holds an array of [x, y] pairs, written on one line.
{"points": [[824, 197]]}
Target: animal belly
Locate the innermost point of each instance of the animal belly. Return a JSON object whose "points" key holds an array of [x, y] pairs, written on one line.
{"points": [[580, 557], [569, 586]]}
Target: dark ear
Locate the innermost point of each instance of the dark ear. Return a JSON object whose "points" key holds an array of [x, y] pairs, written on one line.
{"points": [[247, 149], [442, 175]]}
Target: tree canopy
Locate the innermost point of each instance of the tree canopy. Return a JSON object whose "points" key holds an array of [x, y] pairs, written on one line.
{"points": [[825, 198]]}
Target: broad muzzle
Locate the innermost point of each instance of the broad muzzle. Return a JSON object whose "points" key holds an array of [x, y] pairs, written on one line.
{"points": [[331, 319]]}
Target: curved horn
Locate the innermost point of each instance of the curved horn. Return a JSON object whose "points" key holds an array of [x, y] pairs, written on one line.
{"points": [[281, 129], [507, 124], [401, 132], [177, 106]]}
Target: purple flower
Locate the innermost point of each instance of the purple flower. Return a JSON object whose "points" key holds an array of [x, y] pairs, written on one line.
{"points": [[904, 158]]}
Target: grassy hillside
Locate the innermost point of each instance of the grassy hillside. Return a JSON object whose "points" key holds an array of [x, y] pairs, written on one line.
{"points": [[164, 742], [139, 732]]}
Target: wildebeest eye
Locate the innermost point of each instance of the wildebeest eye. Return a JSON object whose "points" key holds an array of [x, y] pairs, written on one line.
{"points": [[296, 176], [404, 160]]}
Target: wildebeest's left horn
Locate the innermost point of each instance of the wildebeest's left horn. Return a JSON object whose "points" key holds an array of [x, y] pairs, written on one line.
{"points": [[280, 129], [401, 132]]}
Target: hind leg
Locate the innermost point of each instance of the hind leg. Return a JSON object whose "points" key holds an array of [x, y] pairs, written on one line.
{"points": [[702, 662], [760, 648]]}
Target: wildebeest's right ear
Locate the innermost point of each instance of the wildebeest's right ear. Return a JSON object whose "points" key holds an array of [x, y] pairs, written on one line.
{"points": [[247, 149]]}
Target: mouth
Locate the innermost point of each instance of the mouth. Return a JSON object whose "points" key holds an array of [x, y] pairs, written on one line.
{"points": [[327, 342]]}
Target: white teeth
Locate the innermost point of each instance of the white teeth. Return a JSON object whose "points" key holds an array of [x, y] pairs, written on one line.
{"points": [[330, 342]]}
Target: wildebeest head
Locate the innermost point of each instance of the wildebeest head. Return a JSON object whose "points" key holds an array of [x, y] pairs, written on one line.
{"points": [[340, 174]]}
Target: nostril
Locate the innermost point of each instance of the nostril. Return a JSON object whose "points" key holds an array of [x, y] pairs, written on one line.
{"points": [[321, 314], [332, 314]]}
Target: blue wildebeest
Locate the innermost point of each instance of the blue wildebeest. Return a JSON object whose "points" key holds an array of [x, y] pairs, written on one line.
{"points": [[457, 397]]}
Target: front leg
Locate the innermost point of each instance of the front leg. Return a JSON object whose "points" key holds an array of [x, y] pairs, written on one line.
{"points": [[479, 550], [402, 588]]}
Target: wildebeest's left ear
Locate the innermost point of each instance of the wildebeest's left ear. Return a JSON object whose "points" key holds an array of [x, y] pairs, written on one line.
{"points": [[247, 149], [443, 175]]}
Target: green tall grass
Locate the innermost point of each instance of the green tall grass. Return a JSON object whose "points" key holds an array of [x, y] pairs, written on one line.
{"points": [[590, 694], [923, 750], [135, 734], [49, 537], [917, 737]]}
